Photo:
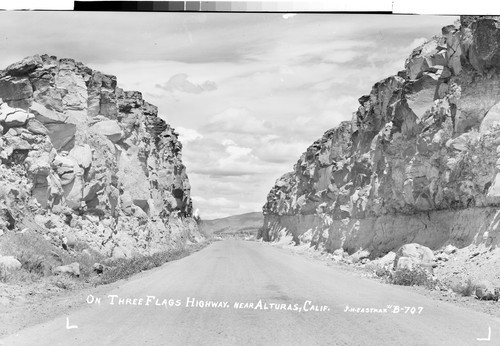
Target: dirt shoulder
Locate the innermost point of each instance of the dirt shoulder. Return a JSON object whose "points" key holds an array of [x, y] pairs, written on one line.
{"points": [[40, 303], [25, 305], [456, 269]]}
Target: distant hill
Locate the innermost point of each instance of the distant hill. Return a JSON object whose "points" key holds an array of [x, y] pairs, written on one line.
{"points": [[244, 224]]}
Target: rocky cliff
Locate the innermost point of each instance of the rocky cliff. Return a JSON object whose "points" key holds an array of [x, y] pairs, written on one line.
{"points": [[419, 162], [85, 161]]}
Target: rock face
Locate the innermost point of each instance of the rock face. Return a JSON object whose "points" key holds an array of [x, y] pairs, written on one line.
{"points": [[83, 159], [418, 163]]}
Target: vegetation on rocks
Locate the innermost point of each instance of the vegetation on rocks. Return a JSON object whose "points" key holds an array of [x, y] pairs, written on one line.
{"points": [[39, 259], [417, 276], [124, 268], [466, 289]]}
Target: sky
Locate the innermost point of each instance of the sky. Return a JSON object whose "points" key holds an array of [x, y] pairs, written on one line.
{"points": [[247, 92]]}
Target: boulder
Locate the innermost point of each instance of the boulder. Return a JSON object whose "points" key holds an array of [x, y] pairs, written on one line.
{"points": [[9, 264], [421, 94], [406, 263], [359, 255], [450, 249], [72, 269], [423, 57], [16, 91], [73, 192], [14, 144], [387, 261], [493, 194], [70, 240], [50, 97], [76, 116], [90, 190], [109, 128], [38, 165], [139, 213], [62, 136], [18, 118], [486, 291], [464, 141], [414, 254], [25, 66], [65, 167], [484, 52], [491, 119], [45, 115], [36, 127], [82, 154], [13, 117]]}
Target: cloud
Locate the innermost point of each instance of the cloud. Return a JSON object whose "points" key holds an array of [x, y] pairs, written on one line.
{"points": [[280, 150], [213, 156], [216, 202], [188, 135], [416, 43], [180, 82], [236, 120]]}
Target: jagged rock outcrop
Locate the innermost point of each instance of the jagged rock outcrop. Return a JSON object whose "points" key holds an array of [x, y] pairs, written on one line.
{"points": [[418, 163], [83, 159]]}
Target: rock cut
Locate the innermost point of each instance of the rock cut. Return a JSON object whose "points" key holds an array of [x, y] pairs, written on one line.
{"points": [[84, 160]]}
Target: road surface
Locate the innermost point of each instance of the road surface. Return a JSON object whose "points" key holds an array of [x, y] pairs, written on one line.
{"points": [[246, 293]]}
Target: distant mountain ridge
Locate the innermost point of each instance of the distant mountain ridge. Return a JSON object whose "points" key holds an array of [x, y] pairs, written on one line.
{"points": [[235, 224]]}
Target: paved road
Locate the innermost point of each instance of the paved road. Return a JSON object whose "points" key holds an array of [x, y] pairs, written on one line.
{"points": [[305, 300]]}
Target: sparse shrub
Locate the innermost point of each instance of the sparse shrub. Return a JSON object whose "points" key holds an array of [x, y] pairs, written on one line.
{"points": [[31, 262], [416, 276], [87, 262], [63, 281], [3, 274], [260, 233], [123, 268], [382, 272], [22, 276], [79, 246], [466, 289]]}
